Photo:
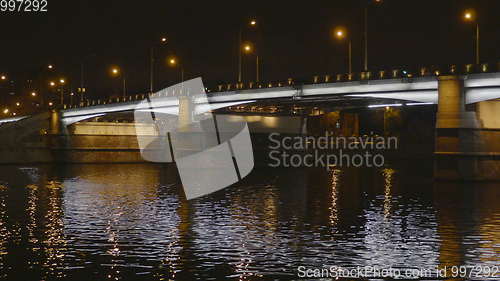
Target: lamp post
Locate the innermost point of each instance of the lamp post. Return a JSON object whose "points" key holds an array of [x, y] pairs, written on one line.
{"points": [[82, 75], [341, 33], [174, 62], [470, 16], [116, 72], [62, 82], [251, 23], [53, 84], [248, 49], [163, 40]]}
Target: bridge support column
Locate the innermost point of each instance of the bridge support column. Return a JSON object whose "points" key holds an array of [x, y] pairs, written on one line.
{"points": [[458, 147], [186, 109], [349, 124], [55, 123]]}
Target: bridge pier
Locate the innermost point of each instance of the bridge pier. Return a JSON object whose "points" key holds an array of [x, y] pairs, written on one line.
{"points": [[55, 123], [349, 123], [186, 109], [460, 151]]}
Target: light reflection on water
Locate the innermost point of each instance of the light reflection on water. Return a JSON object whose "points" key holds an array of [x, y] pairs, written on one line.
{"points": [[131, 222]]}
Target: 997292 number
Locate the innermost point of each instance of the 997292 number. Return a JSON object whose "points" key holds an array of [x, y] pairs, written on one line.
{"points": [[23, 5]]}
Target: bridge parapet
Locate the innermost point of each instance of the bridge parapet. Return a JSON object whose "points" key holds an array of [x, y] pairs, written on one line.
{"points": [[395, 73]]}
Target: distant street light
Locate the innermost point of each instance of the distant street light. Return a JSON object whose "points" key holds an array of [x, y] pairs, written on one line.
{"points": [[50, 66], [251, 23], [81, 90], [248, 48], [62, 81], [52, 83], [18, 104], [163, 40], [174, 62], [341, 34], [116, 72], [470, 16], [3, 77], [6, 111], [33, 94]]}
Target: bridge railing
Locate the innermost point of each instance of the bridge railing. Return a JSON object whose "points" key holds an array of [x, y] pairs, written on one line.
{"points": [[394, 73]]}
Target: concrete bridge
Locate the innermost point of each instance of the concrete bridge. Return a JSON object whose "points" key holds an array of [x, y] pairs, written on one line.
{"points": [[477, 88], [467, 115]]}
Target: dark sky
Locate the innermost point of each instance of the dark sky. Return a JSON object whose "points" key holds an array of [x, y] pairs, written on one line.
{"points": [[294, 38]]}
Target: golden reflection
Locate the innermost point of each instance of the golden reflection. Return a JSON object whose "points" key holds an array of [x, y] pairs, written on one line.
{"points": [[31, 211], [54, 242], [114, 251], [488, 220], [491, 241], [388, 177], [271, 212], [270, 122], [4, 233], [334, 212], [254, 118], [132, 184], [446, 200]]}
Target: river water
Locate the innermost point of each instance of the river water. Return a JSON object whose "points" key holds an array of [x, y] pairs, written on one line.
{"points": [[131, 222]]}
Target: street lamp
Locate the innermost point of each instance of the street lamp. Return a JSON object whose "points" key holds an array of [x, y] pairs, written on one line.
{"points": [[174, 62], [3, 77], [116, 72], [251, 23], [340, 33], [81, 90], [247, 49], [163, 40], [52, 84], [50, 66], [33, 94], [62, 81], [470, 16]]}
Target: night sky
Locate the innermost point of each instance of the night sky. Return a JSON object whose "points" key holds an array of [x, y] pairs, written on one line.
{"points": [[293, 39]]}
